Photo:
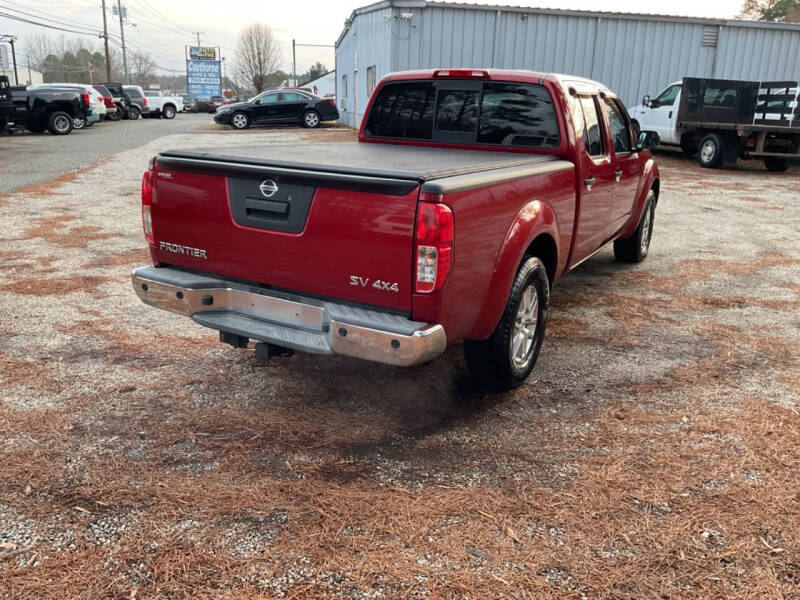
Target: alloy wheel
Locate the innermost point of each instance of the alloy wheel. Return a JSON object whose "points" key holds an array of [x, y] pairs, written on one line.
{"points": [[524, 333]]}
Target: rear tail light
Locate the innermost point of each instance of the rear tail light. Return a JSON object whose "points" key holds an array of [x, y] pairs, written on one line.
{"points": [[144, 101], [434, 245], [86, 99], [147, 202], [332, 102]]}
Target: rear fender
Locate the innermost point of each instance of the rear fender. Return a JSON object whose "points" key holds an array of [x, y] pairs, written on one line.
{"points": [[534, 219], [650, 177]]}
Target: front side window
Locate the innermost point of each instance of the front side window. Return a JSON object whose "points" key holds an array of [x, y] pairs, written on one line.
{"points": [[667, 97], [593, 133], [268, 99], [620, 132]]}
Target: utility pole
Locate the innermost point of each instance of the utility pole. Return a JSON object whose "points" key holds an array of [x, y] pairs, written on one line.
{"points": [[105, 40], [294, 65], [198, 33], [122, 36], [91, 78], [14, 59], [30, 77]]}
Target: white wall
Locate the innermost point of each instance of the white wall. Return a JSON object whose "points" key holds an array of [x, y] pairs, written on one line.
{"points": [[25, 78]]}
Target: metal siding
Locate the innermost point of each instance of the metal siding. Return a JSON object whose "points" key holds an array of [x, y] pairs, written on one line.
{"points": [[632, 56]]}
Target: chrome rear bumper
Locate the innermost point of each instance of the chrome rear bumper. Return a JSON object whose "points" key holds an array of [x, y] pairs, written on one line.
{"points": [[290, 320]]}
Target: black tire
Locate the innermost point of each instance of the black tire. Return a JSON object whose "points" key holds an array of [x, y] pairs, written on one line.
{"points": [[237, 122], [776, 165], [59, 122], [134, 113], [490, 361], [311, 119], [168, 111], [634, 249], [115, 116], [709, 151]]}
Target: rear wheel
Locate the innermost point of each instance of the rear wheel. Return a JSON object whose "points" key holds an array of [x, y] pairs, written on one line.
{"points": [[79, 123], [168, 112], [240, 120], [710, 151], [776, 165], [505, 359], [59, 122], [634, 249], [311, 119], [134, 113], [114, 116]]}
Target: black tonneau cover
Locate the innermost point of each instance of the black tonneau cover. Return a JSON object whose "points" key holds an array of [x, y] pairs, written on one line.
{"points": [[390, 161]]}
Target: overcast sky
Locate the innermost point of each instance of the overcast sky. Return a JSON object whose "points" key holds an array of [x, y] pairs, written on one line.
{"points": [[163, 28]]}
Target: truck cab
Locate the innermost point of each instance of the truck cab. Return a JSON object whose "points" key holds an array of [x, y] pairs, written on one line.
{"points": [[660, 114]]}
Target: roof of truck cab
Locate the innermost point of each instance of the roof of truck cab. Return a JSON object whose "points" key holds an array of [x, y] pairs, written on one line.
{"points": [[513, 75], [418, 163]]}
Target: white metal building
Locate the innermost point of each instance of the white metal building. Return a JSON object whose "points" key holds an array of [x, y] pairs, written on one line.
{"points": [[632, 54]]}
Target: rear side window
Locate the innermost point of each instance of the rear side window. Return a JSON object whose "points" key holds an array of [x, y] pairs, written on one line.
{"points": [[403, 110], [518, 115], [133, 93], [507, 114], [593, 134]]}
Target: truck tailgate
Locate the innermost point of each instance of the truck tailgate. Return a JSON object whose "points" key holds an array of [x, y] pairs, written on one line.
{"points": [[333, 220]]}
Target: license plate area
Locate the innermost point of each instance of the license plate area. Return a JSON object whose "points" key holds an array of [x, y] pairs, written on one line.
{"points": [[269, 204]]}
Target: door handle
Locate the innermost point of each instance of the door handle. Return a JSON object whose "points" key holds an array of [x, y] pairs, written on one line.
{"points": [[670, 115], [589, 182], [617, 175]]}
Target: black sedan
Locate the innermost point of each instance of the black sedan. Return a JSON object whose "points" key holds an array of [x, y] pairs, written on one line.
{"points": [[276, 107]]}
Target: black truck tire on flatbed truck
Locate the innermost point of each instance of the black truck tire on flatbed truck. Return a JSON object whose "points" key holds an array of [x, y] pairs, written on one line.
{"points": [[776, 165]]}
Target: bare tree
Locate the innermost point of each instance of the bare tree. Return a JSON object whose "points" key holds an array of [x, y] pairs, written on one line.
{"points": [[787, 11], [257, 55], [143, 68]]}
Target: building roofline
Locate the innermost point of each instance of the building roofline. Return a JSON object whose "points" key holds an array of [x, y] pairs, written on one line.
{"points": [[565, 12]]}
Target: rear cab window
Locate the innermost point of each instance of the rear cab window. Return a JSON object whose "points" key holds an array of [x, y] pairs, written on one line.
{"points": [[517, 115]]}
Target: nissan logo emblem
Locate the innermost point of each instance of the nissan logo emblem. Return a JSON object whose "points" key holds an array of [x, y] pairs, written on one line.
{"points": [[268, 188]]}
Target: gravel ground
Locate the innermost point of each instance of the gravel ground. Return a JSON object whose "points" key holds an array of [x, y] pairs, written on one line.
{"points": [[653, 453]]}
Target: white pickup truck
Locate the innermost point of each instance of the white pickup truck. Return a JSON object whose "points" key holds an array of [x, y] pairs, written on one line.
{"points": [[163, 106], [724, 120]]}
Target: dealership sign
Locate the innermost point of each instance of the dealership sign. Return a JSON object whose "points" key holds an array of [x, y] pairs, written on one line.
{"points": [[202, 53], [203, 78]]}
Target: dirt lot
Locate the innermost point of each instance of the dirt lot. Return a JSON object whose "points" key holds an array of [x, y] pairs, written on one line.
{"points": [[654, 452]]}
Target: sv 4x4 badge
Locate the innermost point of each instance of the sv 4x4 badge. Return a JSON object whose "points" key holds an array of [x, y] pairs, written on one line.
{"points": [[378, 284]]}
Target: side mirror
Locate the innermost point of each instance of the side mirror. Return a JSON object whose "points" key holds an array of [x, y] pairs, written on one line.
{"points": [[646, 100], [648, 140]]}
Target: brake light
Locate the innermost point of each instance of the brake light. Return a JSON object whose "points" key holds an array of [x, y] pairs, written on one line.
{"points": [[332, 102], [434, 245], [86, 100], [144, 101], [147, 202], [461, 73]]}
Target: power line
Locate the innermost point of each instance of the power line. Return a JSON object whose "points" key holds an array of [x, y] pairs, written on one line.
{"points": [[43, 16], [31, 22]]}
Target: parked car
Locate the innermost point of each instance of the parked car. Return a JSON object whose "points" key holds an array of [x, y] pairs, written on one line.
{"points": [[53, 109], [122, 101], [722, 120], [6, 104], [215, 102], [189, 103], [468, 194], [96, 102], [108, 100], [140, 106], [278, 106], [163, 106]]}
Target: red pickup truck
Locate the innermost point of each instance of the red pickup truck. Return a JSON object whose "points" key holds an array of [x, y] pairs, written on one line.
{"points": [[467, 195]]}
